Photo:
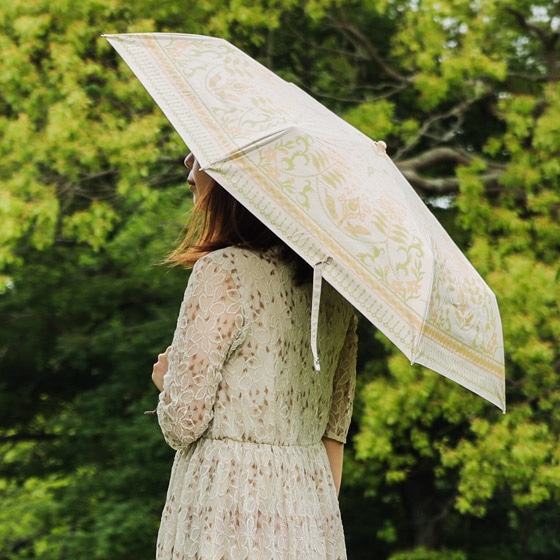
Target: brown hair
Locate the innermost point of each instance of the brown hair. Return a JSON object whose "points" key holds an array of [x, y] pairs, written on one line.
{"points": [[218, 220]]}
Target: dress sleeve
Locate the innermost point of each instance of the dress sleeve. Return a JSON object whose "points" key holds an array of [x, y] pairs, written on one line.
{"points": [[344, 386], [209, 328]]}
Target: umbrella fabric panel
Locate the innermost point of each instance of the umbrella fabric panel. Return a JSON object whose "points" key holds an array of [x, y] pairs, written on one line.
{"points": [[454, 310]]}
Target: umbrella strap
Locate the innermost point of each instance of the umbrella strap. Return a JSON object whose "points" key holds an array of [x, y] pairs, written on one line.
{"points": [[315, 303]]}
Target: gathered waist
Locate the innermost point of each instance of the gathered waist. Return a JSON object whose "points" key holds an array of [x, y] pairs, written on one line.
{"points": [[226, 439]]}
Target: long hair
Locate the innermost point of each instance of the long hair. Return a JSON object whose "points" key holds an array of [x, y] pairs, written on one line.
{"points": [[218, 220]]}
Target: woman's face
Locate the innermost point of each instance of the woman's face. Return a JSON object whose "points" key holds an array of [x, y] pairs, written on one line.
{"points": [[198, 180]]}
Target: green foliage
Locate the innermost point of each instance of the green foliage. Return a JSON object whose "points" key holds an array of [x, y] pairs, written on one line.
{"points": [[23, 516], [516, 454], [377, 120], [444, 454], [93, 197], [423, 554]]}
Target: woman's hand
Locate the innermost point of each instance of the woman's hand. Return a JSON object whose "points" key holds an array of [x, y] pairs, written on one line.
{"points": [[160, 369]]}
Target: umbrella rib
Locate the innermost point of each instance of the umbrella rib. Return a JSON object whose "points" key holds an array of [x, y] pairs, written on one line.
{"points": [[249, 147], [425, 316]]}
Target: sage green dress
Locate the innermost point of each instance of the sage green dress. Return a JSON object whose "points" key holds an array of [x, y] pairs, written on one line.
{"points": [[246, 411]]}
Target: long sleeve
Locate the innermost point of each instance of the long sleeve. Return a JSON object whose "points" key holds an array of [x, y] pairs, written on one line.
{"points": [[344, 386], [209, 328]]}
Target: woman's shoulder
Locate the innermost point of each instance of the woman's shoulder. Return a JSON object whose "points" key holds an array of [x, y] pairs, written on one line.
{"points": [[237, 267], [238, 261], [235, 255]]}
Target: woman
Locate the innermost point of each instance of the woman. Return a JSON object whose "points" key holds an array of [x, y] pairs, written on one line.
{"points": [[259, 434]]}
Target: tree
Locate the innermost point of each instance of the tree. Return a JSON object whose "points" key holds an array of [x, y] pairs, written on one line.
{"points": [[443, 452], [93, 196], [465, 94]]}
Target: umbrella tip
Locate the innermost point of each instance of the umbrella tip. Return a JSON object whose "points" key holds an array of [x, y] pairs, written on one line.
{"points": [[382, 145]]}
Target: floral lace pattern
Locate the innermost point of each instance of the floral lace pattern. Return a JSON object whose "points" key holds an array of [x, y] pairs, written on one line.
{"points": [[246, 411]]}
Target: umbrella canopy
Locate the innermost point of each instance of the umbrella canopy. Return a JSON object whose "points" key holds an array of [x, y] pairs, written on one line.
{"points": [[333, 195]]}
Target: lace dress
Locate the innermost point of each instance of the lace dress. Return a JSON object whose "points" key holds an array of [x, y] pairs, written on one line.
{"points": [[246, 411]]}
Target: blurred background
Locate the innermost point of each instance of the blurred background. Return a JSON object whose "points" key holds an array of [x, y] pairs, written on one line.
{"points": [[93, 195]]}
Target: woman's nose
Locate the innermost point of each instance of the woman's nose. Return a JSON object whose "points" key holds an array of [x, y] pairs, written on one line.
{"points": [[189, 160]]}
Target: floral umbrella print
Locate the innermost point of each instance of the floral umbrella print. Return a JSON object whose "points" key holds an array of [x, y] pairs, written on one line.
{"points": [[333, 195]]}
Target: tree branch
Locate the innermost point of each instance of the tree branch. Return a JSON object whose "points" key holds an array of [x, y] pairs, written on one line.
{"points": [[435, 156], [457, 112], [434, 186], [355, 36], [548, 37], [527, 25]]}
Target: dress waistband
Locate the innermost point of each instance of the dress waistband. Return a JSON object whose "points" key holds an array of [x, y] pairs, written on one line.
{"points": [[261, 443]]}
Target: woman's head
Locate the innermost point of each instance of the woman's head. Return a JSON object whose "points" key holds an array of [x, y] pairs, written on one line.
{"points": [[199, 181], [218, 221]]}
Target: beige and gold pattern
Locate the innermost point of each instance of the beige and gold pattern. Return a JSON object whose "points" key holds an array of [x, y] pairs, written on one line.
{"points": [[328, 191]]}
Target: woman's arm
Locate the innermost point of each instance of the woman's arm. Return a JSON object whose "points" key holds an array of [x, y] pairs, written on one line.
{"points": [[335, 452], [209, 327], [344, 385]]}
